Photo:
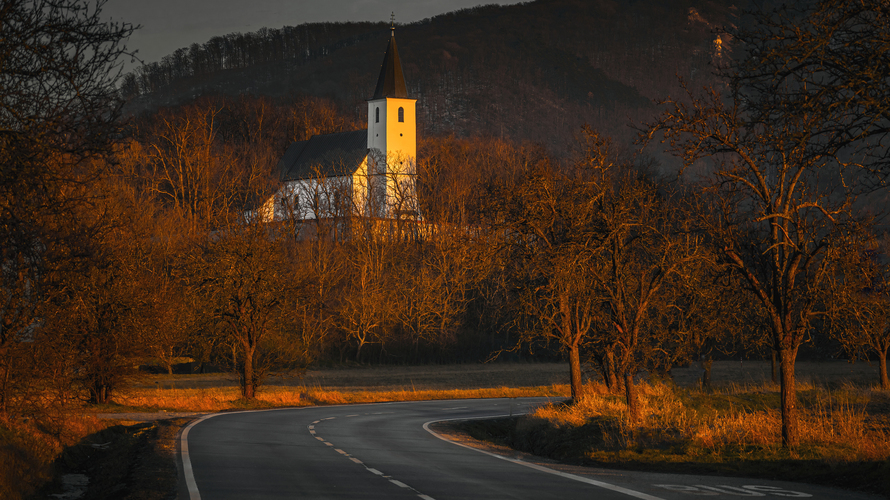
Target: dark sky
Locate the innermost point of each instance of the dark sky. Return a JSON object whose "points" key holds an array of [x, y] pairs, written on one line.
{"points": [[170, 24]]}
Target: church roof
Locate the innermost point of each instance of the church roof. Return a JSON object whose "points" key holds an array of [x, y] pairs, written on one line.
{"points": [[329, 155], [391, 82]]}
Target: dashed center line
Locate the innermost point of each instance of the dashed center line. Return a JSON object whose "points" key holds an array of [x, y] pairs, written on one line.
{"points": [[369, 469]]}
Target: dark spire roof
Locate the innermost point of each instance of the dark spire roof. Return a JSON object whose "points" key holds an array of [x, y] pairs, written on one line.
{"points": [[392, 81]]}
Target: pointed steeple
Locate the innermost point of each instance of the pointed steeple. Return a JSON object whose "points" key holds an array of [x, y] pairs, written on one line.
{"points": [[391, 82]]}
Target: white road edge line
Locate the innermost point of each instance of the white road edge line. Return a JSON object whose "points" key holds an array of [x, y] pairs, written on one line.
{"points": [[184, 444], [190, 483], [594, 482]]}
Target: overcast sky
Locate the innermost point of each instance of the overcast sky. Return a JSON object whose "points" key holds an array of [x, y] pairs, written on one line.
{"points": [[170, 24]]}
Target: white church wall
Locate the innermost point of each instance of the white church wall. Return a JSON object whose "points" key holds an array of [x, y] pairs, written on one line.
{"points": [[310, 199]]}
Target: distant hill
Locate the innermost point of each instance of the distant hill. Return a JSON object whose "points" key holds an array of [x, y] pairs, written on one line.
{"points": [[535, 71]]}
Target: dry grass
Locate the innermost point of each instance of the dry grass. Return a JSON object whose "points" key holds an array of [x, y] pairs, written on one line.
{"points": [[834, 422], [29, 448], [844, 432], [224, 398], [217, 392]]}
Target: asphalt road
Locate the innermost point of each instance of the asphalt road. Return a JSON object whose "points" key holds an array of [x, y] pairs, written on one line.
{"points": [[388, 451]]}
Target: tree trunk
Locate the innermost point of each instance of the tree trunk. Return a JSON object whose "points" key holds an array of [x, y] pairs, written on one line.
{"points": [[882, 366], [569, 333], [575, 367], [4, 392], [610, 376], [789, 398], [630, 393], [706, 364], [774, 366], [248, 386], [100, 393]]}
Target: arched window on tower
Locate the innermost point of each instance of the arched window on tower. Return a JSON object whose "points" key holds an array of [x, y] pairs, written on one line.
{"points": [[377, 115], [401, 114]]}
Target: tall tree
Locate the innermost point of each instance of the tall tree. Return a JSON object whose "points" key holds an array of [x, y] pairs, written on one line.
{"points": [[59, 64], [541, 232], [792, 145], [861, 302], [243, 278], [641, 246]]}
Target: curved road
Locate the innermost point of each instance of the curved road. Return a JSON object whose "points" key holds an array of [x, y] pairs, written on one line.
{"points": [[388, 451]]}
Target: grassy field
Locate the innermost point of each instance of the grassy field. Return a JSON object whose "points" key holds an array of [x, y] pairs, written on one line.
{"points": [[733, 430], [217, 392]]}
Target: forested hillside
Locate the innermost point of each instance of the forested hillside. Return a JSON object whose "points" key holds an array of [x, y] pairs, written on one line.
{"points": [[534, 71]]}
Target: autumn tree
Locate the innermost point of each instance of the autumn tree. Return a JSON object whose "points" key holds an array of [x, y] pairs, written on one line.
{"points": [[59, 64], [861, 302], [641, 250], [788, 149], [435, 277], [244, 279], [545, 221]]}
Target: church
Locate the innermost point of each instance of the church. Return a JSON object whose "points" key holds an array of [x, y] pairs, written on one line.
{"points": [[368, 173]]}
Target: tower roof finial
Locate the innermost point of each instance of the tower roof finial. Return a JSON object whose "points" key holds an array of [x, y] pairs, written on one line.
{"points": [[391, 82]]}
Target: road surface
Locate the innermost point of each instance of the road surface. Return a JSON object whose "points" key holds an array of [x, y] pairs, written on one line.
{"points": [[390, 451]]}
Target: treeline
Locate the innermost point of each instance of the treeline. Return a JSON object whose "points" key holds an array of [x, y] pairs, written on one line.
{"points": [[534, 71], [295, 44]]}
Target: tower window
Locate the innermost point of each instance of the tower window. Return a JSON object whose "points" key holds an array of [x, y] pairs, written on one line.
{"points": [[401, 114], [377, 115]]}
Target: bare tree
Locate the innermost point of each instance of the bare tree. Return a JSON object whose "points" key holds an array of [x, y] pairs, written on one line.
{"points": [[861, 302], [641, 249], [792, 145], [536, 219], [367, 292], [243, 276]]}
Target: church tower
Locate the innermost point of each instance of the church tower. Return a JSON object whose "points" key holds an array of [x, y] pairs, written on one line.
{"points": [[392, 135]]}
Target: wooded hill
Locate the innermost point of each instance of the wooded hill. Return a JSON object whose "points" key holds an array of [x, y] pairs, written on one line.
{"points": [[535, 71]]}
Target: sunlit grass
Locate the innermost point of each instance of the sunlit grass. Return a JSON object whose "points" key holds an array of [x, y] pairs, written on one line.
{"points": [[833, 424], [228, 397]]}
